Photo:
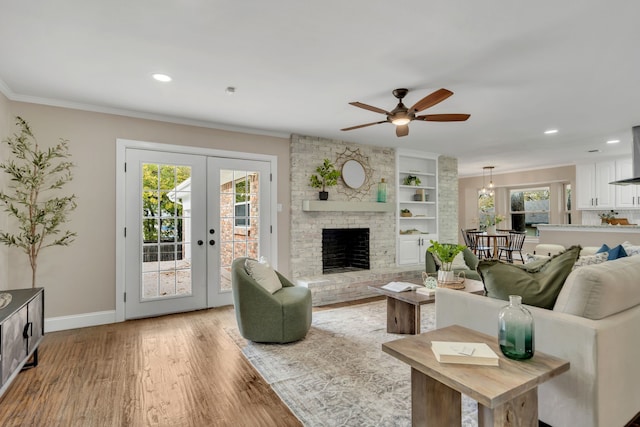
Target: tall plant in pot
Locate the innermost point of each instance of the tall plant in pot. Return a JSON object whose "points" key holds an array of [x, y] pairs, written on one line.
{"points": [[327, 176], [32, 196], [446, 252]]}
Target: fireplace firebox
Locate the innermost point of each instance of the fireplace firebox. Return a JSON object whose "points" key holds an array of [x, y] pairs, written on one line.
{"points": [[345, 249]]}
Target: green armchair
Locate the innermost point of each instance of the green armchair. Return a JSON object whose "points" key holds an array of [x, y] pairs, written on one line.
{"points": [[469, 258], [281, 317]]}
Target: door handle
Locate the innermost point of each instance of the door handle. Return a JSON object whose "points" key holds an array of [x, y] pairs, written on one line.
{"points": [[212, 242], [200, 242]]}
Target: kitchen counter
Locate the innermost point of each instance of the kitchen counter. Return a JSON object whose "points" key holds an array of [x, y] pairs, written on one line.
{"points": [[588, 235]]}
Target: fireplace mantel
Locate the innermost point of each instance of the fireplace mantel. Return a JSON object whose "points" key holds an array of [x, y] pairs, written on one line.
{"points": [[342, 206]]}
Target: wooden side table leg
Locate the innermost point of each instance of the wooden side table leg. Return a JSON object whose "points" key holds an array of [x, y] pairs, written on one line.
{"points": [[521, 411], [402, 317], [433, 404]]}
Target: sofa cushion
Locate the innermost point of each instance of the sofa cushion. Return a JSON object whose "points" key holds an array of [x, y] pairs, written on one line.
{"points": [[614, 253], [631, 249], [538, 283], [598, 291], [263, 274], [591, 259]]}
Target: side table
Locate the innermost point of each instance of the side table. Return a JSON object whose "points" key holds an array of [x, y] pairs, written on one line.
{"points": [[507, 395]]}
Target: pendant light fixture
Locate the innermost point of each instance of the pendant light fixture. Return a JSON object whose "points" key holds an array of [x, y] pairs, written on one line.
{"points": [[484, 188]]}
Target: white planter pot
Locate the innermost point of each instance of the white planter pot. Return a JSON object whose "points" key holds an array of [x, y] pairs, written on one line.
{"points": [[445, 276]]}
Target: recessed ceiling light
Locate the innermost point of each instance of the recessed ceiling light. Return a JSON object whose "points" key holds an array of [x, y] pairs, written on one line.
{"points": [[551, 131], [613, 141], [230, 90], [161, 77]]}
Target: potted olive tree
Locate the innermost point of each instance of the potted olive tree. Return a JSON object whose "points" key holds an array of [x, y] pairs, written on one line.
{"points": [[32, 197], [327, 177]]}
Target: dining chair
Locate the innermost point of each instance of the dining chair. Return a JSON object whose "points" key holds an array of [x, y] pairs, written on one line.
{"points": [[481, 246], [467, 241], [515, 243]]}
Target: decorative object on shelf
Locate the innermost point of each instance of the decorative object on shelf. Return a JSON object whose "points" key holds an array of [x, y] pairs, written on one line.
{"points": [[412, 231], [32, 172], [411, 180], [606, 217], [405, 213], [446, 252], [516, 330], [382, 191], [328, 177], [420, 196], [356, 174]]}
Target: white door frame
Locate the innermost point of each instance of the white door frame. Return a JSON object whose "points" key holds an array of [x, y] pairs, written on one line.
{"points": [[122, 145]]}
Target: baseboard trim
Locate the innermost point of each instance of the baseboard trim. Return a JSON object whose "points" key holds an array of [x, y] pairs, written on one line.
{"points": [[84, 320]]}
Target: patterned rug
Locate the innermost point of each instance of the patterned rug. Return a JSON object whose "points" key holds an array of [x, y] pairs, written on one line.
{"points": [[338, 375]]}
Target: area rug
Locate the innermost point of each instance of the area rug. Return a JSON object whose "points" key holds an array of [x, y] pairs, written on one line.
{"points": [[338, 375]]}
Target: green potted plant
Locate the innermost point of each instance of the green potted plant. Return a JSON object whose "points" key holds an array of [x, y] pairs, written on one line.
{"points": [[32, 195], [446, 252], [327, 176], [411, 180]]}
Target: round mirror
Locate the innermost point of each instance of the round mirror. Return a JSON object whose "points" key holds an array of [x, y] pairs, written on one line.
{"points": [[353, 174]]}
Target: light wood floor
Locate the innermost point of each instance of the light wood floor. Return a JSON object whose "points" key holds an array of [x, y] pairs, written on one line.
{"points": [[176, 370]]}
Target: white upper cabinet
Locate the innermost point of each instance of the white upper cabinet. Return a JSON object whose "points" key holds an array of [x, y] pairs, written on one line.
{"points": [[627, 196], [593, 190]]}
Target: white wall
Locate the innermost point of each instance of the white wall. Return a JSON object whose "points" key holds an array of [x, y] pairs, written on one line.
{"points": [[81, 278]]}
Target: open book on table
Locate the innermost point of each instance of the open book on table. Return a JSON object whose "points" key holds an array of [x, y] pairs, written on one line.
{"points": [[401, 286], [472, 353]]}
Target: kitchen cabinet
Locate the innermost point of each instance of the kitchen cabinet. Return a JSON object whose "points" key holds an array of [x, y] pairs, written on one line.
{"points": [[627, 196], [417, 205], [593, 190]]}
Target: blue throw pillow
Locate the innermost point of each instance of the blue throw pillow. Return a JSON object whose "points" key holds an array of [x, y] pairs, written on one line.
{"points": [[617, 252], [603, 248]]}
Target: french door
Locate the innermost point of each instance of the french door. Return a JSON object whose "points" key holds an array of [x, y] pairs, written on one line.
{"points": [[187, 218]]}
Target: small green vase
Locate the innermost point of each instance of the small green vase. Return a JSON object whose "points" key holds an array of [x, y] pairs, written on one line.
{"points": [[516, 330]]}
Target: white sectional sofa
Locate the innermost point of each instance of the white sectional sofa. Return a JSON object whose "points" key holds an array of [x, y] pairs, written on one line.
{"points": [[595, 324]]}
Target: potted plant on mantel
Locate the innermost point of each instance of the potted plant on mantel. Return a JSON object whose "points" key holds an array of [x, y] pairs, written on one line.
{"points": [[446, 252], [33, 173], [327, 177]]}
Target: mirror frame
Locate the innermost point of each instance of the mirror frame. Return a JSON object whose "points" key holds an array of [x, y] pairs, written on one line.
{"points": [[353, 174]]}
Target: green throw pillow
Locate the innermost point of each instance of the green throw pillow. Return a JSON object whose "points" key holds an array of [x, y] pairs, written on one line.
{"points": [[538, 283]]}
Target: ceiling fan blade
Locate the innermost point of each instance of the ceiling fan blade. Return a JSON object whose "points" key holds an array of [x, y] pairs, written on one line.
{"points": [[443, 117], [365, 125], [402, 130], [431, 100], [369, 107]]}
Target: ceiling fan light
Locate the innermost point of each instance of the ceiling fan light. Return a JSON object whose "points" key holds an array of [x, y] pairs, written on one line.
{"points": [[400, 121]]}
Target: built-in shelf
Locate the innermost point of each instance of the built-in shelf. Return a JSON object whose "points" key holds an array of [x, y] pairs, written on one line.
{"points": [[341, 206]]}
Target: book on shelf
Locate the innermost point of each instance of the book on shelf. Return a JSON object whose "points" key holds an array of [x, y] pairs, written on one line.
{"points": [[400, 286], [471, 353]]}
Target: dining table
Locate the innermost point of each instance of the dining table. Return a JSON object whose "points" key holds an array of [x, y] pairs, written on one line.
{"points": [[495, 240]]}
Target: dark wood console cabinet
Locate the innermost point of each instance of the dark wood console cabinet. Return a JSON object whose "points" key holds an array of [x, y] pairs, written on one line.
{"points": [[21, 331]]}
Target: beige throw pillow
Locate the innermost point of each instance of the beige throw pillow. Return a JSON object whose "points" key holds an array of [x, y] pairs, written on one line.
{"points": [[262, 273]]}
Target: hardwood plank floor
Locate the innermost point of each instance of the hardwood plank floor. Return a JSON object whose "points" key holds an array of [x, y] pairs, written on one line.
{"points": [[175, 370]]}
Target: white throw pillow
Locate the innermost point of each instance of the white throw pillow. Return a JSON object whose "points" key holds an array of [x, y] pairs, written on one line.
{"points": [[262, 273], [631, 249], [534, 257], [591, 259]]}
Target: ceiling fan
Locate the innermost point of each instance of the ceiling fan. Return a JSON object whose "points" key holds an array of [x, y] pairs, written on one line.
{"points": [[401, 115]]}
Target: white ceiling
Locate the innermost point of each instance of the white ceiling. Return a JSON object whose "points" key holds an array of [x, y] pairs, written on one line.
{"points": [[518, 68]]}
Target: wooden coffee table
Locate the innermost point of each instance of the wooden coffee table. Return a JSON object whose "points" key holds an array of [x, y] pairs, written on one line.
{"points": [[507, 395], [403, 308]]}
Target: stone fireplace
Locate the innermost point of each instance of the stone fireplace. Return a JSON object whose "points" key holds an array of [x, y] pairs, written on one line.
{"points": [[345, 249]]}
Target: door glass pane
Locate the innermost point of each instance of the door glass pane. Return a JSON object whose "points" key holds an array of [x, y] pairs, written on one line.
{"points": [[239, 219], [166, 231]]}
